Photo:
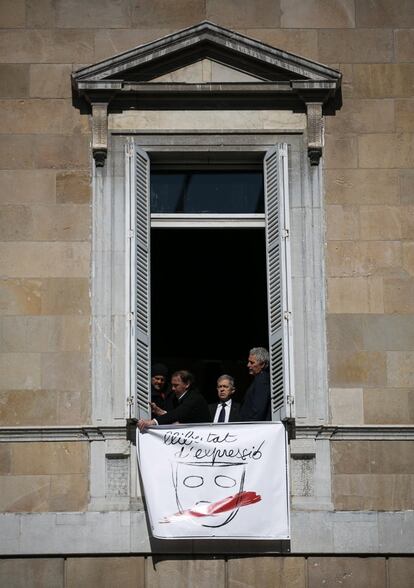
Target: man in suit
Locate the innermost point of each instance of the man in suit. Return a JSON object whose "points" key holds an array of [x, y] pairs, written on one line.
{"points": [[191, 406], [257, 405], [226, 410]]}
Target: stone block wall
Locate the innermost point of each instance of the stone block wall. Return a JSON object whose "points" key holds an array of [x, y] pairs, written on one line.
{"points": [[266, 572]]}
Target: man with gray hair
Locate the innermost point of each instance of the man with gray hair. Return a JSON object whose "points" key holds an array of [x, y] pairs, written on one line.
{"points": [[256, 405], [226, 410]]}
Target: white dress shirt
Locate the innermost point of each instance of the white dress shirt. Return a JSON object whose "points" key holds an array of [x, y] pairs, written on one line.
{"points": [[226, 408]]}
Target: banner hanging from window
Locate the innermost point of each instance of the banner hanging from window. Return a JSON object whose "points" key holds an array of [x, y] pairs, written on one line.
{"points": [[220, 481]]}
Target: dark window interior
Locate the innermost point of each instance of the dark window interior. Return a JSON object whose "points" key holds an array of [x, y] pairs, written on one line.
{"points": [[198, 191], [208, 301]]}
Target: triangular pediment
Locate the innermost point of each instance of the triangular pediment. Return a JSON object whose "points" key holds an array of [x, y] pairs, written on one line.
{"points": [[164, 58]]}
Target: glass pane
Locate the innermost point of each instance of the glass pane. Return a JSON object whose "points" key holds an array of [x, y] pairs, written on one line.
{"points": [[198, 191]]}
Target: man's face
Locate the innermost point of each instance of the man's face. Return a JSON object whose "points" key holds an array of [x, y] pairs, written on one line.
{"points": [[178, 386], [224, 389], [158, 382], [254, 365]]}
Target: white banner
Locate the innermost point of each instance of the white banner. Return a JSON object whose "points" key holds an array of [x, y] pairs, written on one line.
{"points": [[223, 480]]}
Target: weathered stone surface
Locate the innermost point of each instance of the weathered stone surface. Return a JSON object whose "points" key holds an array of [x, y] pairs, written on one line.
{"points": [[300, 42], [49, 458], [317, 14], [340, 152], [24, 493], [105, 572], [44, 333], [65, 371], [373, 457], [400, 368], [19, 297], [93, 14], [109, 42], [408, 258], [381, 222], [65, 296], [243, 13], [28, 407], [54, 151], [46, 46], [390, 151], [16, 222], [387, 332], [404, 45], [356, 46], [345, 332], [12, 13], [73, 407], [358, 369], [40, 117], [404, 117], [70, 222], [158, 14], [363, 186], [342, 222], [50, 81], [407, 222], [73, 187], [363, 116], [382, 13], [407, 186], [382, 492], [388, 80], [68, 493], [4, 459], [388, 406], [275, 572], [14, 80], [35, 572], [348, 572], [45, 259], [363, 258], [355, 295], [173, 573], [399, 295], [16, 152], [27, 186], [400, 572], [40, 14], [20, 371], [346, 406]]}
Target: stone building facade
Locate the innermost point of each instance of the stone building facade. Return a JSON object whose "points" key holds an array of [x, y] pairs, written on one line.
{"points": [[71, 508]]}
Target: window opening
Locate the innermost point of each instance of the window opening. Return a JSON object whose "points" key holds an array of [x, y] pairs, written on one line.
{"points": [[209, 301]]}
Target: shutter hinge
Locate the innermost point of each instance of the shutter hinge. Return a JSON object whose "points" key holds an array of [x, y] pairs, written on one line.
{"points": [[285, 233], [130, 316], [130, 400], [290, 399], [287, 315], [130, 234]]}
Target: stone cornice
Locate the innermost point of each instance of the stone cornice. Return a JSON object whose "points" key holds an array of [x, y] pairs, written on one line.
{"points": [[104, 433]]}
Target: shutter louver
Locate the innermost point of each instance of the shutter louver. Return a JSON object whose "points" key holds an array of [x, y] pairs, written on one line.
{"points": [[140, 280], [278, 279]]}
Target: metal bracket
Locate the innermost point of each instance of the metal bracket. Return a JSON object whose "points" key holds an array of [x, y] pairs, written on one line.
{"points": [[100, 132], [315, 131]]}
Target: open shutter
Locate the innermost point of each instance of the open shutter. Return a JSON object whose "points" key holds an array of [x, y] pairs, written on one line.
{"points": [[279, 281], [138, 218]]}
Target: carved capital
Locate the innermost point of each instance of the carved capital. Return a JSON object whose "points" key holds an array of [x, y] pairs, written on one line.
{"points": [[100, 132], [315, 131]]}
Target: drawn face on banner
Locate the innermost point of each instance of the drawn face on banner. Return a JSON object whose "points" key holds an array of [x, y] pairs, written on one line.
{"points": [[208, 494]]}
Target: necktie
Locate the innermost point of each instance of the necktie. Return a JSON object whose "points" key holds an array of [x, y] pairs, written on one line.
{"points": [[222, 415]]}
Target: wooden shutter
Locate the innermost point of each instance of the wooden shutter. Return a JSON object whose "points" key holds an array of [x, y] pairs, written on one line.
{"points": [[278, 280], [138, 219]]}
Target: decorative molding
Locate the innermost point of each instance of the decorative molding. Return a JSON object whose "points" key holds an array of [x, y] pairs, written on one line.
{"points": [[315, 131], [310, 432], [100, 132]]}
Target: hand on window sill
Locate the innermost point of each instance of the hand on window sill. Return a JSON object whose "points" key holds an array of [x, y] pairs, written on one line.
{"points": [[144, 423], [157, 410]]}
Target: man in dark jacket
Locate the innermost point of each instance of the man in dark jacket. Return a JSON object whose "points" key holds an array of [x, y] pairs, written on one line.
{"points": [[191, 405], [257, 405], [226, 410]]}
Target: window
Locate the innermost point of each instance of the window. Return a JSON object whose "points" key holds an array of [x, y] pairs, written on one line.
{"points": [[206, 194]]}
